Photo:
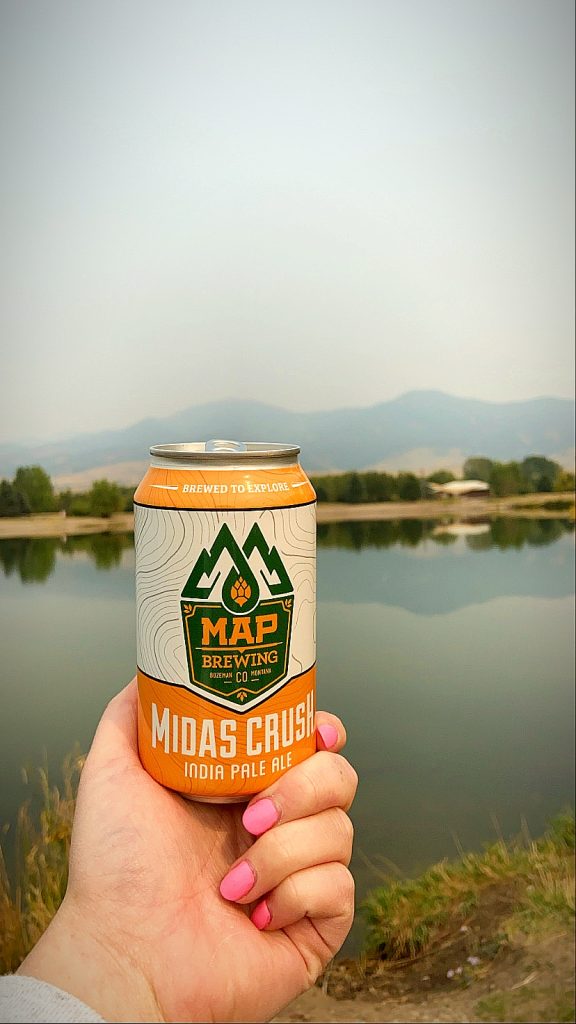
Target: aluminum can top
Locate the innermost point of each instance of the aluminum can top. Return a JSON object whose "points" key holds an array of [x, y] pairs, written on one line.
{"points": [[219, 450]]}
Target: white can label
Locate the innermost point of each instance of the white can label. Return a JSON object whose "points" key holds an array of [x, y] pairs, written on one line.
{"points": [[226, 600]]}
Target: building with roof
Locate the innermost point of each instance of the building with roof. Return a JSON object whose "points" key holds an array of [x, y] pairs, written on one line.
{"points": [[461, 489]]}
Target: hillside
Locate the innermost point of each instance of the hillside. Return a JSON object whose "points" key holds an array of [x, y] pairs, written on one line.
{"points": [[419, 430]]}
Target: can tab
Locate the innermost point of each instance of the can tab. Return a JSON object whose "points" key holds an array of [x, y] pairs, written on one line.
{"points": [[217, 445]]}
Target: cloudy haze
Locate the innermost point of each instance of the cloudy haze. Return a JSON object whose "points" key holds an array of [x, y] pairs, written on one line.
{"points": [[310, 202]]}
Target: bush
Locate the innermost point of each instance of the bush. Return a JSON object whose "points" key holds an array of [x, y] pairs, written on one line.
{"points": [[104, 499]]}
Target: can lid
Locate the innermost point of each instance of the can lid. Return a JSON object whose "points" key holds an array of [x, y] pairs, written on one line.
{"points": [[219, 450]]}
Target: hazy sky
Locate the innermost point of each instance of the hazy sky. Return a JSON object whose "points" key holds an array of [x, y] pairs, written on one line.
{"points": [[310, 202]]}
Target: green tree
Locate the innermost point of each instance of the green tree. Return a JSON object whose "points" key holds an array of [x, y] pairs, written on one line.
{"points": [[12, 502], [36, 486], [379, 486], [477, 468], [505, 479], [441, 476], [539, 474], [104, 499], [408, 487], [353, 490]]}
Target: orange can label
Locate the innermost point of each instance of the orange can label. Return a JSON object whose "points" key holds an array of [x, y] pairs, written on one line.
{"points": [[225, 584]]}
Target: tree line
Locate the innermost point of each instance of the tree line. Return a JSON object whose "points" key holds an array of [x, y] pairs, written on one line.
{"points": [[32, 490], [534, 475]]}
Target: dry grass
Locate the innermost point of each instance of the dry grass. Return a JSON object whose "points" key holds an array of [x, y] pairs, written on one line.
{"points": [[532, 880], [42, 844]]}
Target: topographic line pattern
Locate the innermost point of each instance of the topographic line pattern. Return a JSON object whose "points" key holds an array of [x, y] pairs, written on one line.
{"points": [[168, 542]]}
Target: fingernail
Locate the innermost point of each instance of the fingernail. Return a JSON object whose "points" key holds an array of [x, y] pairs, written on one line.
{"points": [[237, 882], [260, 816], [261, 916], [329, 735]]}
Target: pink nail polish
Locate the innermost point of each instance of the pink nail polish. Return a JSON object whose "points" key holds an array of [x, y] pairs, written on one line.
{"points": [[237, 882], [261, 915], [260, 816], [329, 735]]}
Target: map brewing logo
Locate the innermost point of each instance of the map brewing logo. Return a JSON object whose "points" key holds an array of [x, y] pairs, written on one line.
{"points": [[237, 644]]}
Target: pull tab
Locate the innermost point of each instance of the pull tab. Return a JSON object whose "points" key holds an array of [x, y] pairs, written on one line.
{"points": [[224, 446]]}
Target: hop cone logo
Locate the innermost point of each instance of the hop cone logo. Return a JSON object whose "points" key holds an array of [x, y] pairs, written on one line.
{"points": [[240, 591]]}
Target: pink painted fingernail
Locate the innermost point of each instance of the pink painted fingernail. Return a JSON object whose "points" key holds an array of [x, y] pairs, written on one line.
{"points": [[237, 882], [261, 916], [260, 816], [329, 735]]}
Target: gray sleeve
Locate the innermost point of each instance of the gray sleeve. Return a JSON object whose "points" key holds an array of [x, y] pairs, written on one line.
{"points": [[29, 1001]]}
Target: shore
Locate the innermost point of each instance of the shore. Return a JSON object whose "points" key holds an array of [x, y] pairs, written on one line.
{"points": [[534, 506]]}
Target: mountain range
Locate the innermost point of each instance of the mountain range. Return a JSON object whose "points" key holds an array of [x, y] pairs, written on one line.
{"points": [[420, 430]]}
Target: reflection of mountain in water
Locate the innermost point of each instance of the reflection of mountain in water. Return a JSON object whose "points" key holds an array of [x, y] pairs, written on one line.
{"points": [[34, 558], [443, 572]]}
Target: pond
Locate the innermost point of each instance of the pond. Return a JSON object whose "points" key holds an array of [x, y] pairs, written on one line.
{"points": [[446, 649]]}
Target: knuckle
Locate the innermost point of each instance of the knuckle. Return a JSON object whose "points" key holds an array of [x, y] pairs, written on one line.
{"points": [[353, 776], [344, 830], [345, 886], [348, 778], [291, 890], [277, 849], [350, 772], [311, 774]]}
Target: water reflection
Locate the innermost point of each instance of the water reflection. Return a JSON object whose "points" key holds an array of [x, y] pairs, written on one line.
{"points": [[430, 568], [479, 535], [33, 559]]}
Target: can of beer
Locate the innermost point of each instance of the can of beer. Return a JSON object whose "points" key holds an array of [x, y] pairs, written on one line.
{"points": [[225, 537]]}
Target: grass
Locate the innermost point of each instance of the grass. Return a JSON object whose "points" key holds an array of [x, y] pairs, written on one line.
{"points": [[532, 883], [42, 844]]}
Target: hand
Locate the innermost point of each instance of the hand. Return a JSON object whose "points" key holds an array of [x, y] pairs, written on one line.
{"points": [[144, 932]]}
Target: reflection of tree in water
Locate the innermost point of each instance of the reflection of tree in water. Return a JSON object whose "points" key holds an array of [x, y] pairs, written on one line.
{"points": [[34, 558], [516, 533], [502, 533], [446, 539], [384, 533], [105, 549]]}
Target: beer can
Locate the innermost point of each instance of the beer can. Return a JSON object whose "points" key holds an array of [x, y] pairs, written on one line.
{"points": [[225, 538]]}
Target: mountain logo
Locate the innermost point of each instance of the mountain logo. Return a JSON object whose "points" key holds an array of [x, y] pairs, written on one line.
{"points": [[236, 610]]}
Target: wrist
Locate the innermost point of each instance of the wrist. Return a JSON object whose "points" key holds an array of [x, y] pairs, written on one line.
{"points": [[74, 957]]}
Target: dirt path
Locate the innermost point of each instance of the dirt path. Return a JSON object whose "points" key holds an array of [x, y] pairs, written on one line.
{"points": [[535, 506], [527, 981]]}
